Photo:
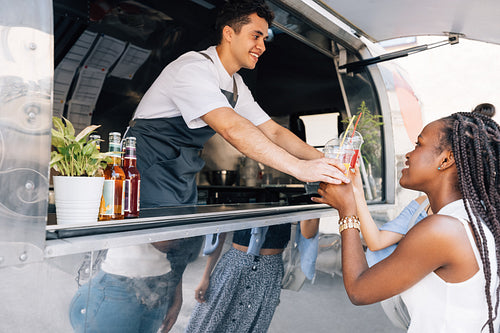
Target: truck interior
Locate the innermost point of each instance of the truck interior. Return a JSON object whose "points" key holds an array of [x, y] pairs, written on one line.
{"points": [[295, 77]]}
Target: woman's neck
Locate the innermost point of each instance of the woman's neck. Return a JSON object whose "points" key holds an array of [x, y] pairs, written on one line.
{"points": [[439, 201]]}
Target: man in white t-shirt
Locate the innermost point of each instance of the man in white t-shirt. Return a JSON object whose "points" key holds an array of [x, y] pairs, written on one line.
{"points": [[195, 96], [200, 93]]}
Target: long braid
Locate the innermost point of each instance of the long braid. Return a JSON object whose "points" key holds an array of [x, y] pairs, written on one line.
{"points": [[469, 168], [475, 142]]}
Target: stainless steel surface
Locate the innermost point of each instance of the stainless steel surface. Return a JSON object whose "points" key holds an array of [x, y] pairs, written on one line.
{"points": [[26, 71], [338, 30], [222, 222]]}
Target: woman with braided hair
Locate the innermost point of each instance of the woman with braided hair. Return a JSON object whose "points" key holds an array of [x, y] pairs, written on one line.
{"points": [[445, 268]]}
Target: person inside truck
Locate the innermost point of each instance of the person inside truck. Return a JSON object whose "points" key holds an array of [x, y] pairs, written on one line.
{"points": [[195, 96], [201, 93], [243, 291], [445, 268]]}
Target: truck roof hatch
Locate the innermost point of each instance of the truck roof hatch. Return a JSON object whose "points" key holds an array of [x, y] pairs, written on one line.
{"points": [[386, 19]]}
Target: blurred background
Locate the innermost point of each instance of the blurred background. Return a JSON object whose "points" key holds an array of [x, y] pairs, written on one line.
{"points": [[452, 78]]}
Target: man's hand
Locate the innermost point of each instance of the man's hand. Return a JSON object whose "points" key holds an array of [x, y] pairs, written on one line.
{"points": [[327, 170], [266, 144]]}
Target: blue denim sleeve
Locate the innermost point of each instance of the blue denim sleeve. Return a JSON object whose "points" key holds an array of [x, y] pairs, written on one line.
{"points": [[400, 223]]}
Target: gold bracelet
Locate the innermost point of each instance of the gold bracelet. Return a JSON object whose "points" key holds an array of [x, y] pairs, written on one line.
{"points": [[349, 222]]}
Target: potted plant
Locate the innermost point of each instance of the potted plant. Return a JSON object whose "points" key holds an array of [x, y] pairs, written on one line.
{"points": [[78, 162]]}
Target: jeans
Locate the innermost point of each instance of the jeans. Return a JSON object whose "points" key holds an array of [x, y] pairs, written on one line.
{"points": [[108, 304]]}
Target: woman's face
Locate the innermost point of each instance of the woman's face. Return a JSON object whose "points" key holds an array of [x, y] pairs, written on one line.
{"points": [[423, 162]]}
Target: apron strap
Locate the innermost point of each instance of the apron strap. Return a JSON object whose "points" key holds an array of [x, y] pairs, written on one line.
{"points": [[235, 87]]}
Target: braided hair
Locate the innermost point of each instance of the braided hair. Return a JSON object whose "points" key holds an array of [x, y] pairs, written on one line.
{"points": [[474, 140]]}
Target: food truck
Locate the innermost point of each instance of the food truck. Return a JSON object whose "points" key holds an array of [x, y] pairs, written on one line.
{"points": [[91, 61]]}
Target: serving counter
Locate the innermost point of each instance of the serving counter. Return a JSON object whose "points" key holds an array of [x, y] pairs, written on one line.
{"points": [[160, 224]]}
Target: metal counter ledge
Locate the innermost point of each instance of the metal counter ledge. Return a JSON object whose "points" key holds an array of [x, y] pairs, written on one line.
{"points": [[159, 224]]}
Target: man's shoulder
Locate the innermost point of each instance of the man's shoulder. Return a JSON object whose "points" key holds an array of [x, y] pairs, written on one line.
{"points": [[187, 59]]}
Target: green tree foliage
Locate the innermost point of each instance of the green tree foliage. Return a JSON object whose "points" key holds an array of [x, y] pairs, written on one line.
{"points": [[369, 127]]}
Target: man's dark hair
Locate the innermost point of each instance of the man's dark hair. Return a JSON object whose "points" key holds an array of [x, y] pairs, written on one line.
{"points": [[485, 108], [235, 13]]}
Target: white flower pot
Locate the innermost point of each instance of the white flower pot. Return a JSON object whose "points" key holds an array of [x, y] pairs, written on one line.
{"points": [[77, 199]]}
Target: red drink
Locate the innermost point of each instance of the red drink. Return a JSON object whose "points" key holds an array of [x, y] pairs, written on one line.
{"points": [[132, 181], [354, 158]]}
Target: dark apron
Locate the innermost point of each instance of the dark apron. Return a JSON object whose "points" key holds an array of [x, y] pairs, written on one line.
{"points": [[168, 157]]}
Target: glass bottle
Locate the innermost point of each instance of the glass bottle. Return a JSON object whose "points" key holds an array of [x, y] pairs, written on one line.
{"points": [[132, 182], [113, 183], [97, 142]]}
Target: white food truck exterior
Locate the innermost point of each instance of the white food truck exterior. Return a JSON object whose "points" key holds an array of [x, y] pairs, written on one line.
{"points": [[38, 273]]}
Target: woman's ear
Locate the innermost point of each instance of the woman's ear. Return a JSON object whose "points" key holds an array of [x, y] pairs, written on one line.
{"points": [[448, 161]]}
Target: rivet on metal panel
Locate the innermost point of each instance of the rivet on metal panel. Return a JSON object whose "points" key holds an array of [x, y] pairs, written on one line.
{"points": [[23, 256], [29, 185], [32, 46]]}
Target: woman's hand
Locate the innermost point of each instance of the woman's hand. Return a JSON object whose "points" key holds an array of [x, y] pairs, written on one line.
{"points": [[357, 183], [340, 197], [201, 290]]}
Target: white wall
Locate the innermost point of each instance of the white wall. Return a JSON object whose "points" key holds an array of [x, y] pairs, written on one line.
{"points": [[454, 78]]}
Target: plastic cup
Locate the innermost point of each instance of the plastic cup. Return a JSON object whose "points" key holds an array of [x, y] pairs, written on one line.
{"points": [[342, 153], [355, 141]]}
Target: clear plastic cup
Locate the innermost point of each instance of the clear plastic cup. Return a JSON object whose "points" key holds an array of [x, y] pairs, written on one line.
{"points": [[343, 153], [355, 141]]}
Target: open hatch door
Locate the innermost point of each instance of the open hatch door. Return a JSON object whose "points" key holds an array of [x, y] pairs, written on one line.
{"points": [[385, 19]]}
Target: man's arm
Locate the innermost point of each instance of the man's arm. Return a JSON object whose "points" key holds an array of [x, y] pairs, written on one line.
{"points": [[284, 138], [251, 141]]}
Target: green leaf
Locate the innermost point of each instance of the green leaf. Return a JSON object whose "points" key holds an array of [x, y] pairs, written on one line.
{"points": [[89, 150], [86, 131], [55, 157], [70, 130], [57, 139], [58, 124]]}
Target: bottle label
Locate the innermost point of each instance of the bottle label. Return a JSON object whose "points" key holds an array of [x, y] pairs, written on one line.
{"points": [[108, 194], [138, 194], [127, 189], [130, 153], [123, 198]]}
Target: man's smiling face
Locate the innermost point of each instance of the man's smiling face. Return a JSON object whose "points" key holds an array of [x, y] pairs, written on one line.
{"points": [[248, 45]]}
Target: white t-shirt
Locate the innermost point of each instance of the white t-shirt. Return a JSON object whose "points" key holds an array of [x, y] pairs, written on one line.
{"points": [[136, 261], [435, 305], [190, 87]]}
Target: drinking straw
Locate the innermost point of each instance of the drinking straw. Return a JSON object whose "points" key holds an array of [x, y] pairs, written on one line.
{"points": [[356, 125], [345, 134]]}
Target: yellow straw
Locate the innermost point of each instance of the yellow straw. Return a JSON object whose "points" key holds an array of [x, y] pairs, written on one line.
{"points": [[345, 134]]}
